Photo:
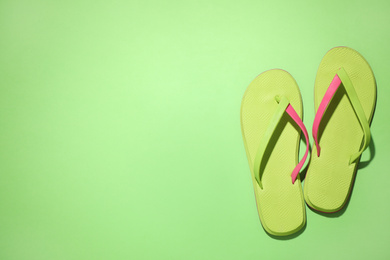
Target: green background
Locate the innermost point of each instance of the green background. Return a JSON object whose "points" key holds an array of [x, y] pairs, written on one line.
{"points": [[120, 127]]}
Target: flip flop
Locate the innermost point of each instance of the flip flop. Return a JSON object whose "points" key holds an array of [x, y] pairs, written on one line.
{"points": [[345, 98], [271, 127]]}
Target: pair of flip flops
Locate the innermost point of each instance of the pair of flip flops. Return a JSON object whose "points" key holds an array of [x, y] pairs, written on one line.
{"points": [[271, 112]]}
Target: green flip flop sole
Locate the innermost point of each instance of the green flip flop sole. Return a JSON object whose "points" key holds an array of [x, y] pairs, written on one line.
{"points": [[343, 130], [280, 202]]}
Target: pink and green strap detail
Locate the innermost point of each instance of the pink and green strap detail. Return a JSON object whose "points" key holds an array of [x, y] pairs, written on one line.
{"points": [[341, 78], [283, 106]]}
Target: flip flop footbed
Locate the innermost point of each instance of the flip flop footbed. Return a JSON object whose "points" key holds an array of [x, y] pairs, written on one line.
{"points": [[280, 203], [330, 177]]}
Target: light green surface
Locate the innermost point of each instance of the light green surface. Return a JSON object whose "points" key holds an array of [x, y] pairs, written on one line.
{"points": [[330, 175], [120, 127], [264, 120]]}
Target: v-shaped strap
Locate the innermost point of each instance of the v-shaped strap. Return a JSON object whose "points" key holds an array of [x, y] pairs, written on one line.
{"points": [[284, 106], [341, 77]]}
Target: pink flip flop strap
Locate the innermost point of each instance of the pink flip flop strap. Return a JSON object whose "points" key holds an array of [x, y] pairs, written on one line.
{"points": [[334, 85], [341, 78], [290, 110]]}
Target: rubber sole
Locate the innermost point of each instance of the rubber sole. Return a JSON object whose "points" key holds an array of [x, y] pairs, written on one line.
{"points": [[280, 203], [329, 177]]}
